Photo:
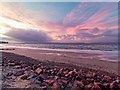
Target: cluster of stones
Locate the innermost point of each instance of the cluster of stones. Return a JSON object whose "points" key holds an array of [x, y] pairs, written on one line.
{"points": [[65, 78]]}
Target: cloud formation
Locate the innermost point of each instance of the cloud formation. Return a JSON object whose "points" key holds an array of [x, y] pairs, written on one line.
{"points": [[91, 20], [28, 36], [86, 22]]}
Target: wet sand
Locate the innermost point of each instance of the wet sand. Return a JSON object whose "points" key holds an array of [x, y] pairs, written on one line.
{"points": [[87, 60]]}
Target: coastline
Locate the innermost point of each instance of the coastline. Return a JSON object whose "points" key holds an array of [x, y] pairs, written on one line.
{"points": [[19, 72], [25, 72], [87, 60]]}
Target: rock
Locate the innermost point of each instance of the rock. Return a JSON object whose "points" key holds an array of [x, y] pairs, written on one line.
{"points": [[90, 75], [43, 87], [88, 87], [114, 86], [67, 75], [78, 84], [64, 82], [18, 67], [106, 85], [32, 77], [103, 87], [37, 87], [27, 68], [9, 74], [56, 77], [44, 76], [56, 85], [24, 65], [11, 64], [4, 77], [117, 80], [49, 82], [10, 61], [29, 72], [106, 79], [40, 78], [24, 77], [34, 67], [17, 63], [19, 73], [38, 70], [95, 86]]}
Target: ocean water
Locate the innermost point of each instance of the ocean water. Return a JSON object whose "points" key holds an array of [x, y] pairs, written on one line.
{"points": [[108, 51], [78, 46]]}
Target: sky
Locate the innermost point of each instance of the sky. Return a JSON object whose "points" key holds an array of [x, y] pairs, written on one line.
{"points": [[59, 0], [67, 22]]}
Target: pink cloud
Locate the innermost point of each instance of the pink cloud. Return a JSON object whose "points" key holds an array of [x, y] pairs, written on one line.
{"points": [[97, 20], [86, 18]]}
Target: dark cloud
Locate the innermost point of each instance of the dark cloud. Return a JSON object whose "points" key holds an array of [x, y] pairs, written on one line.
{"points": [[94, 35], [31, 36], [106, 36], [112, 33], [86, 34], [95, 30], [91, 34]]}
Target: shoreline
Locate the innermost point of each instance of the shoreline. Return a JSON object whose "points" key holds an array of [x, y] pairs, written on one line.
{"points": [[21, 72], [87, 60], [50, 63]]}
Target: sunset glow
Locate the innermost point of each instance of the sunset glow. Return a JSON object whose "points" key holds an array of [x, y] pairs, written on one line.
{"points": [[59, 22]]}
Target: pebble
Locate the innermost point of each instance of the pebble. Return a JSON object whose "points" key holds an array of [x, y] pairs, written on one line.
{"points": [[11, 64], [19, 73], [43, 77], [32, 77], [95, 86], [24, 77], [18, 67], [38, 70], [56, 85], [9, 74]]}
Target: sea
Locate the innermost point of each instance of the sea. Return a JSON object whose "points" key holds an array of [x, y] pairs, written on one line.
{"points": [[108, 51]]}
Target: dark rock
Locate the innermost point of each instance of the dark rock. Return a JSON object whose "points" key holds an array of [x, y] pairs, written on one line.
{"points": [[9, 74], [40, 78], [106, 79], [17, 67], [32, 77], [24, 77], [27, 68], [114, 86], [34, 67], [19, 73], [24, 65]]}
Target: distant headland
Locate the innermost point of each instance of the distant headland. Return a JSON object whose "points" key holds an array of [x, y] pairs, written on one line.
{"points": [[3, 42]]}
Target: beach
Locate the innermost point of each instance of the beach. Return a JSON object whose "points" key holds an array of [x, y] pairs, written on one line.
{"points": [[88, 60], [59, 46], [42, 69]]}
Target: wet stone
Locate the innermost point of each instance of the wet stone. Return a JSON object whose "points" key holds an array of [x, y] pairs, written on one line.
{"points": [[27, 68], [38, 70], [9, 74], [11, 64], [32, 77], [24, 77], [17, 67], [19, 73]]}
